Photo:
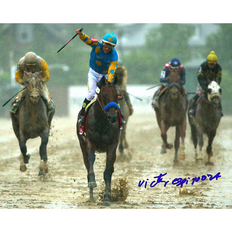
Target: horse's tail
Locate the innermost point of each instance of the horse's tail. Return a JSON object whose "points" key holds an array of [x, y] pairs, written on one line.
{"points": [[193, 130]]}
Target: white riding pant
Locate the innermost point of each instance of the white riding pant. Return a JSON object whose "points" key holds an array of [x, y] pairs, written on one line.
{"points": [[93, 79]]}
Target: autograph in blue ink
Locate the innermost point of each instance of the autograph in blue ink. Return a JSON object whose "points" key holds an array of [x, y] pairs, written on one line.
{"points": [[177, 181]]}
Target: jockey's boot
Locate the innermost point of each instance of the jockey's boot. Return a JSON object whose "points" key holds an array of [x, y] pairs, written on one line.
{"points": [[50, 107], [14, 107], [192, 109], [82, 112], [155, 101]]}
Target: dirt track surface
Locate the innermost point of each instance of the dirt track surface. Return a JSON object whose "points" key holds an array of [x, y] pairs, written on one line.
{"points": [[65, 187]]}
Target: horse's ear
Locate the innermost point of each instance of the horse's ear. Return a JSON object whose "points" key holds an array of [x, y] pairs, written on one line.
{"points": [[102, 82], [220, 91]]}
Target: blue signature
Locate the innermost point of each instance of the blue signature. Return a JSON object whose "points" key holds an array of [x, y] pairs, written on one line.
{"points": [[177, 181]]}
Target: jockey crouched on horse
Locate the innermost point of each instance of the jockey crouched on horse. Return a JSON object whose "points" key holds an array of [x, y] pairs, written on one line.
{"points": [[173, 66], [208, 71], [103, 62], [32, 63], [121, 75]]}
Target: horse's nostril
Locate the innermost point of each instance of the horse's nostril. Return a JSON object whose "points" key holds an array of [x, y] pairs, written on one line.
{"points": [[112, 119], [34, 97]]}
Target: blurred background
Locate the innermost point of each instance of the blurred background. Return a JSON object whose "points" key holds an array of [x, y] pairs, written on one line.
{"points": [[143, 48]]}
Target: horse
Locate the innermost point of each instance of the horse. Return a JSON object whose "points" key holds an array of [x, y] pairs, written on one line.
{"points": [[206, 120], [31, 121], [102, 129], [123, 144], [172, 112]]}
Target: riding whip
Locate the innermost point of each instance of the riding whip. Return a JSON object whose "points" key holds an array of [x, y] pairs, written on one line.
{"points": [[69, 40], [135, 97], [153, 86], [13, 96]]}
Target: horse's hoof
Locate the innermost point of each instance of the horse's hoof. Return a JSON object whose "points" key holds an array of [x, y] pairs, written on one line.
{"points": [[41, 174], [176, 161], [182, 157], [23, 168], [106, 203], [199, 158], [163, 151], [169, 146], [43, 171], [91, 200], [209, 163], [92, 184]]}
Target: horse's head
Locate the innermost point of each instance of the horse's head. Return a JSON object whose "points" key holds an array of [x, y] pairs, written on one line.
{"points": [[174, 84], [108, 99], [33, 82], [214, 93]]}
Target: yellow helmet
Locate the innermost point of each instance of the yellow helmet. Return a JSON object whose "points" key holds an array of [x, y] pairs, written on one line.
{"points": [[212, 58]]}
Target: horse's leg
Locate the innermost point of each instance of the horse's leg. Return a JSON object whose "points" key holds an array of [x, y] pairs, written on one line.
{"points": [[43, 168], [211, 136], [110, 160], [182, 145], [193, 134], [177, 143], [89, 162], [164, 128], [121, 138], [201, 142], [24, 158]]}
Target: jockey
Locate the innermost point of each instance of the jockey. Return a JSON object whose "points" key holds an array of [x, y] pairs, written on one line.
{"points": [[32, 63], [208, 71], [173, 65], [103, 62], [121, 75]]}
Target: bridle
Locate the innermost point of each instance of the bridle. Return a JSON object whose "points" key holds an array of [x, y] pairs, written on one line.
{"points": [[103, 108]]}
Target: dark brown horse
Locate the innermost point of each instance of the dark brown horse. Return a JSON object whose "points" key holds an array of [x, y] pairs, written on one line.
{"points": [[31, 120], [172, 112], [102, 128], [206, 120]]}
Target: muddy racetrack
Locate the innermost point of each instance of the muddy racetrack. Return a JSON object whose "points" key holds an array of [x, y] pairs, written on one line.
{"points": [[65, 186]]}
